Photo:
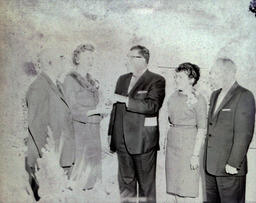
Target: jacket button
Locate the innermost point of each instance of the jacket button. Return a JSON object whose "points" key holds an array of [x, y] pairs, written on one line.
{"points": [[210, 135], [210, 123]]}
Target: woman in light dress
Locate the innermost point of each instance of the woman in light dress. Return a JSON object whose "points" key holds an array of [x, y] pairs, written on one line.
{"points": [[187, 114], [82, 93]]}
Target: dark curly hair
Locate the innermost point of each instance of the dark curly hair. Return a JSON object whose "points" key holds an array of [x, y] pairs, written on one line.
{"points": [[81, 48], [143, 51], [192, 70]]}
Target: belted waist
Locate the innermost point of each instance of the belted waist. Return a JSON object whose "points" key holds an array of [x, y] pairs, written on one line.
{"points": [[180, 125], [87, 122]]}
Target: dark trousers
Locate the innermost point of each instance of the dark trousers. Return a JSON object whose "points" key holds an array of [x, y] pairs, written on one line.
{"points": [[33, 181], [225, 189], [133, 169]]}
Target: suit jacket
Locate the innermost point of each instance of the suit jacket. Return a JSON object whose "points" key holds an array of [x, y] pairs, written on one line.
{"points": [[230, 131], [47, 107], [127, 123]]}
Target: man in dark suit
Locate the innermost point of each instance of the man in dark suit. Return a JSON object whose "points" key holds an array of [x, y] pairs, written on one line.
{"points": [[230, 130], [133, 127], [47, 108]]}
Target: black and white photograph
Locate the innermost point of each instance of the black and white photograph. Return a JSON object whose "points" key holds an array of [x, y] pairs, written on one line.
{"points": [[117, 101]]}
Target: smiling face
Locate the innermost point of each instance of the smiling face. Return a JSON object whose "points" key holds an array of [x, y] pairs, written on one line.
{"points": [[136, 61], [183, 82]]}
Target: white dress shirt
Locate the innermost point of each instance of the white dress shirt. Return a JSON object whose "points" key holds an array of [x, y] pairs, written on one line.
{"points": [[221, 97], [135, 78]]}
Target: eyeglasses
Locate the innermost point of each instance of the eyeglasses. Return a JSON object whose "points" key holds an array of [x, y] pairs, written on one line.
{"points": [[129, 56]]}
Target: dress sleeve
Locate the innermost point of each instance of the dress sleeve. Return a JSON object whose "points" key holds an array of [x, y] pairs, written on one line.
{"points": [[201, 113]]}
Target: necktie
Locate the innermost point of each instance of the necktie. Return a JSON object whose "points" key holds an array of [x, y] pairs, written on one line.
{"points": [[132, 83]]}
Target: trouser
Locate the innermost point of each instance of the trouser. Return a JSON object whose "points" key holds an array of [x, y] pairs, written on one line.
{"points": [[225, 189], [33, 181], [137, 169]]}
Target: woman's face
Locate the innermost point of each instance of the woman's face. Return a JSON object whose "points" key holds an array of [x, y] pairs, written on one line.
{"points": [[182, 80], [86, 61]]}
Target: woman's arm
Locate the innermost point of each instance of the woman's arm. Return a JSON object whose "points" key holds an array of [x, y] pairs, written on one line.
{"points": [[200, 137]]}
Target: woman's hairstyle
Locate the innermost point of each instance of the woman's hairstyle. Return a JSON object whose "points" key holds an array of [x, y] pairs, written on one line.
{"points": [[81, 48], [192, 70]]}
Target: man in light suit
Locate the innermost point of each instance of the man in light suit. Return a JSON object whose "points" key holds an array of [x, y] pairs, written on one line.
{"points": [[230, 130], [133, 127], [47, 107]]}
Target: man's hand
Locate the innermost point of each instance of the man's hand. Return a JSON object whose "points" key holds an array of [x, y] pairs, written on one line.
{"points": [[100, 111], [230, 169], [120, 98]]}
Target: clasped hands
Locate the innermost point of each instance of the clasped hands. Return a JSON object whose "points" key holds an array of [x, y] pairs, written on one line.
{"points": [[104, 111], [120, 98]]}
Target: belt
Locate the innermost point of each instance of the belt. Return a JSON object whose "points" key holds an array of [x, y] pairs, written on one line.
{"points": [[180, 125], [86, 122]]}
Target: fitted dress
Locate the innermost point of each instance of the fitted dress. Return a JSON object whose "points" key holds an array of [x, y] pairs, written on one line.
{"points": [[181, 138]]}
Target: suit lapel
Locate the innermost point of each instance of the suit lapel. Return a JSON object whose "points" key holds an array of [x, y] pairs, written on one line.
{"points": [[213, 102], [138, 82], [226, 99], [61, 92], [56, 89], [122, 88]]}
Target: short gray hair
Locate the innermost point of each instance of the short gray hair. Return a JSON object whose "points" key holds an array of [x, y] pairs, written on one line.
{"points": [[228, 63]]}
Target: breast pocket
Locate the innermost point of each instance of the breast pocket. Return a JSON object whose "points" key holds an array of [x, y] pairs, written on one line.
{"points": [[225, 117], [141, 95]]}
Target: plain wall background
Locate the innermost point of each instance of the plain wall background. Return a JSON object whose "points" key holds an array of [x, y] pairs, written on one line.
{"points": [[174, 31]]}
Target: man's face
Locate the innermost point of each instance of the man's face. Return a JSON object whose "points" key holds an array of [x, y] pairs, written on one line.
{"points": [[217, 75], [136, 61], [61, 65]]}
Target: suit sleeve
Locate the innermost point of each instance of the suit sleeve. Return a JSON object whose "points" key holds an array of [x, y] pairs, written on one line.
{"points": [[34, 98], [152, 102], [243, 129], [70, 91], [112, 120]]}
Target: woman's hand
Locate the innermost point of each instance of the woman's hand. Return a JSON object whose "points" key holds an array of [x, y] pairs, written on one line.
{"points": [[194, 162]]}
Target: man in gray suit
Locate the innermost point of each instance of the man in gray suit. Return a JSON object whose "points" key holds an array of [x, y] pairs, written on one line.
{"points": [[47, 108], [230, 130], [133, 127]]}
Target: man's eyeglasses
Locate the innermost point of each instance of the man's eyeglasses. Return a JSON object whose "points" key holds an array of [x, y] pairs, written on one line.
{"points": [[138, 57]]}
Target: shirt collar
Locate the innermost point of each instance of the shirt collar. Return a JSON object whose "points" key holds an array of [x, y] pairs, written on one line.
{"points": [[139, 73]]}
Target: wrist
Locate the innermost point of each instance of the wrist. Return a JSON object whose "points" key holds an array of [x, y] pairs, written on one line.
{"points": [[127, 101]]}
